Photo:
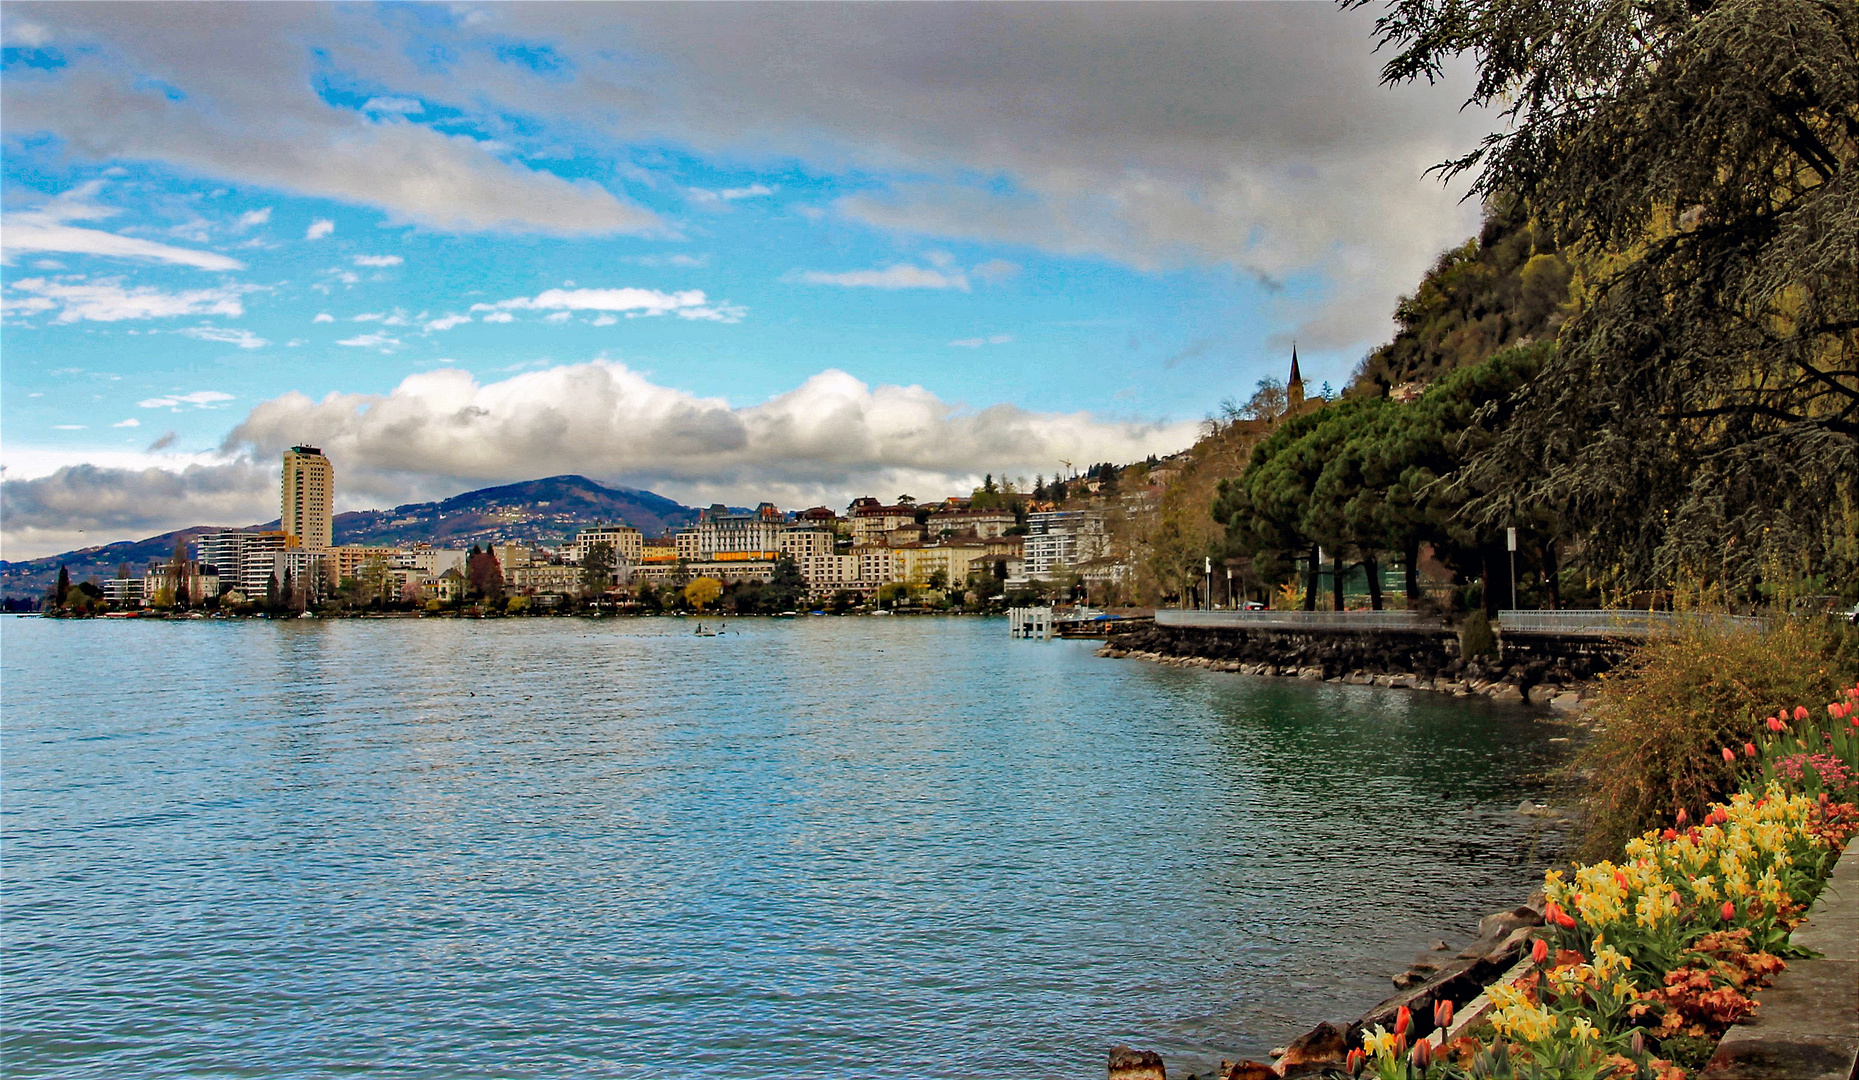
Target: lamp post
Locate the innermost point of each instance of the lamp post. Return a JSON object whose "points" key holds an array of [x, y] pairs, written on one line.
{"points": [[1210, 580], [1510, 540]]}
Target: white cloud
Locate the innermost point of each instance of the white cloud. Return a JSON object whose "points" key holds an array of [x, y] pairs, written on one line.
{"points": [[833, 434], [254, 217], [68, 427], [500, 317], [995, 271], [323, 316], [106, 300], [401, 105], [689, 261], [199, 399], [753, 191], [977, 342], [46, 229], [378, 260], [131, 422], [603, 319], [441, 431], [900, 276], [558, 317], [383, 342], [446, 322], [319, 228], [634, 303], [47, 264], [244, 339], [27, 35]]}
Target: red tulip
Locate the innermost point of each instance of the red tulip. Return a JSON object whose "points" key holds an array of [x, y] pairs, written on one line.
{"points": [[1442, 1013], [1422, 1055], [1800, 712], [1669, 835], [1775, 724], [1729, 755], [1833, 710], [1355, 1060], [1729, 911], [1681, 815], [1403, 1020], [1564, 921], [1749, 749], [1539, 952]]}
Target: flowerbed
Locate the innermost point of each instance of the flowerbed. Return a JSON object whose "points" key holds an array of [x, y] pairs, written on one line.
{"points": [[1642, 964]]}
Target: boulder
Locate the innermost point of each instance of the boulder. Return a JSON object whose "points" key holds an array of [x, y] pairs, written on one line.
{"points": [[1130, 1064], [1504, 692], [1567, 701], [1543, 693], [1247, 1070], [1315, 1052]]}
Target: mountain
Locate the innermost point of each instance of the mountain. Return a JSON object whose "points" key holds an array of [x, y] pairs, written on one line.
{"points": [[546, 512]]}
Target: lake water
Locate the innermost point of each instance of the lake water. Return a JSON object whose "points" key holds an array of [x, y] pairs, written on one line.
{"points": [[853, 847]]}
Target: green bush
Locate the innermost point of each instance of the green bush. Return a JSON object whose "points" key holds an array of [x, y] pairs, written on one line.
{"points": [[1476, 638], [1663, 718]]}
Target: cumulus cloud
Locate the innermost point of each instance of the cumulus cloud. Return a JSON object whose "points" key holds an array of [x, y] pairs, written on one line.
{"points": [[84, 505], [440, 432], [244, 339], [446, 322], [319, 228], [833, 434], [106, 300], [47, 228], [633, 303], [500, 317], [900, 276], [254, 217], [131, 422], [199, 399], [323, 316], [378, 260]]}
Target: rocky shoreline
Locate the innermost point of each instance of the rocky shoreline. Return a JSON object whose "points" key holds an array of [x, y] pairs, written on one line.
{"points": [[1520, 683], [1503, 936]]}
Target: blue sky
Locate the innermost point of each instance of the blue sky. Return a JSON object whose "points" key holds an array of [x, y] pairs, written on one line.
{"points": [[722, 251]]}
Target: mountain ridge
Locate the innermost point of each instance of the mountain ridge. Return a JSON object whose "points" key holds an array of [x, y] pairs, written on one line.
{"points": [[546, 511]]}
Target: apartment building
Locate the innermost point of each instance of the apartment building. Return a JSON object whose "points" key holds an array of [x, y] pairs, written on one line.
{"points": [[1060, 540], [307, 505], [628, 543]]}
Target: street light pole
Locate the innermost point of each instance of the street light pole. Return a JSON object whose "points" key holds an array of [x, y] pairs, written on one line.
{"points": [[1210, 581], [1510, 539]]}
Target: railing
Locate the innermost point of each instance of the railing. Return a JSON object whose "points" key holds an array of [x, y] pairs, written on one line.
{"points": [[1299, 620], [1614, 623]]}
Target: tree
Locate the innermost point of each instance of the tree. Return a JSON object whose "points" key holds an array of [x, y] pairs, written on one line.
{"points": [[1701, 156], [597, 568], [703, 592], [786, 588], [483, 574], [61, 591]]}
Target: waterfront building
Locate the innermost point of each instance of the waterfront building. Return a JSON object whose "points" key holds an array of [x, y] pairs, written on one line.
{"points": [[818, 517], [308, 572], [510, 556], [1058, 540], [543, 579], [726, 569], [877, 564], [309, 493], [756, 535], [628, 543], [958, 523], [659, 549], [685, 545], [124, 592], [871, 521], [428, 560], [242, 561], [346, 561]]}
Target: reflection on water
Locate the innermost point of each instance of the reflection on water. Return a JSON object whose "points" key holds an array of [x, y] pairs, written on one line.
{"points": [[826, 847]]}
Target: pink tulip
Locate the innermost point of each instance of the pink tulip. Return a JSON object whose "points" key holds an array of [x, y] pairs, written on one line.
{"points": [[1800, 712], [1749, 749], [1729, 755], [1729, 911]]}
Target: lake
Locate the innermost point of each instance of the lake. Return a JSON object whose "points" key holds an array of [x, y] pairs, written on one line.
{"points": [[818, 847]]}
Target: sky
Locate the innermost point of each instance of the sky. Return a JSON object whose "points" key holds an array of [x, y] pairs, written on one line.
{"points": [[726, 252]]}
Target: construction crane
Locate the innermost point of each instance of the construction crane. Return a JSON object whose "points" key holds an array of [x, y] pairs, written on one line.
{"points": [[1069, 472]]}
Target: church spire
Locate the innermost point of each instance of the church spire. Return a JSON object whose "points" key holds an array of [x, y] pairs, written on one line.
{"points": [[1294, 386]]}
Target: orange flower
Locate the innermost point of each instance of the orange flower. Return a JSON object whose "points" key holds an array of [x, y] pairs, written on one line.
{"points": [[1749, 749], [1800, 712], [1403, 1020], [1539, 952], [1729, 911]]}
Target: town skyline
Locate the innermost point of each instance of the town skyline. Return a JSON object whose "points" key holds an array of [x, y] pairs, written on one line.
{"points": [[587, 245]]}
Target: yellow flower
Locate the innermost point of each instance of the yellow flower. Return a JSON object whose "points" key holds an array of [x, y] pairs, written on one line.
{"points": [[1379, 1042], [1583, 1031]]}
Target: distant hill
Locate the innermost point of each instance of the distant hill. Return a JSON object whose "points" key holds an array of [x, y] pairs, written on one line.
{"points": [[546, 512]]}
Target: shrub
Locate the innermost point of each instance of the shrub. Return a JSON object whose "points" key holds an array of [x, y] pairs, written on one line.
{"points": [[1665, 716], [1476, 638]]}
